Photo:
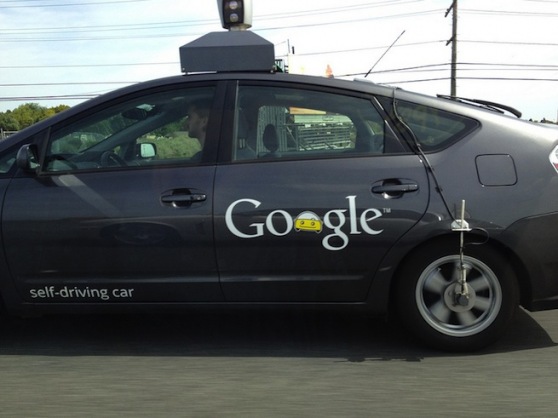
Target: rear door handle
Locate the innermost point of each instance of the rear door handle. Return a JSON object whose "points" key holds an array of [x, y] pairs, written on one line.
{"points": [[394, 188]]}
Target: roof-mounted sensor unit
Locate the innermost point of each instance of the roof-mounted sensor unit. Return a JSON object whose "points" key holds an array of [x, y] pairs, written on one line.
{"points": [[235, 14], [231, 51]]}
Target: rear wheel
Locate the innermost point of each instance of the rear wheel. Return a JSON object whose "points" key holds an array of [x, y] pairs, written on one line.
{"points": [[437, 309]]}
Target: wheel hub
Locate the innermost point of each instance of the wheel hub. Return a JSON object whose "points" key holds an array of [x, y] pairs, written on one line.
{"points": [[456, 301]]}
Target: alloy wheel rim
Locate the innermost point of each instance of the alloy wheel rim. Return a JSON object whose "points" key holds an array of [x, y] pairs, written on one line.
{"points": [[436, 296]]}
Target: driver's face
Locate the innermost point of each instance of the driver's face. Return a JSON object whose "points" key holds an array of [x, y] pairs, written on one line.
{"points": [[196, 125]]}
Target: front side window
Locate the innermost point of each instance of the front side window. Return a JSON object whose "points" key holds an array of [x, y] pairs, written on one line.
{"points": [[159, 128], [286, 123]]}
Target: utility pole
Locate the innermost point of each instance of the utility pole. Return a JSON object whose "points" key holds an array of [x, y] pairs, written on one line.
{"points": [[453, 42]]}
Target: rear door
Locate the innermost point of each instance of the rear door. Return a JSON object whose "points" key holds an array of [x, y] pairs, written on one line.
{"points": [[121, 209], [317, 192]]}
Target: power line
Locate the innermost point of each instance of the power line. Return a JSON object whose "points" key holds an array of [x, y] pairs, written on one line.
{"points": [[69, 4], [323, 11], [411, 69], [276, 16], [461, 65], [181, 35], [352, 50], [198, 22], [532, 67], [109, 28], [47, 98], [509, 65], [85, 96], [69, 83], [423, 80], [166, 25], [509, 13], [477, 79], [509, 43], [137, 64]]}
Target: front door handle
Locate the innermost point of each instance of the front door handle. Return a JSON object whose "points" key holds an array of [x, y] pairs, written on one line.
{"points": [[182, 197]]}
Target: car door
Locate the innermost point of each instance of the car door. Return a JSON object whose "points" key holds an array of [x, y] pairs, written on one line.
{"points": [[318, 190], [120, 208]]}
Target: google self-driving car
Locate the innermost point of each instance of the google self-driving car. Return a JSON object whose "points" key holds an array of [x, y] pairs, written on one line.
{"points": [[196, 189]]}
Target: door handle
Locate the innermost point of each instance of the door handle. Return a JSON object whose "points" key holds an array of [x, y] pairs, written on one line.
{"points": [[182, 197], [394, 188]]}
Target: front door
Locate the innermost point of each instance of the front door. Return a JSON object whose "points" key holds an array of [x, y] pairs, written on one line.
{"points": [[121, 210]]}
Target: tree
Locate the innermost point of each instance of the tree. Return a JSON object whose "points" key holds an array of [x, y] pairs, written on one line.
{"points": [[8, 122], [59, 108], [29, 113], [26, 115]]}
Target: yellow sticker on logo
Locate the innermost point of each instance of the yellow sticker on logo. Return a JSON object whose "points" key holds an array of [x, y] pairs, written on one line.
{"points": [[308, 221]]}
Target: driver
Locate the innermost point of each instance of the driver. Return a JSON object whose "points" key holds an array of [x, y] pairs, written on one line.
{"points": [[198, 116]]}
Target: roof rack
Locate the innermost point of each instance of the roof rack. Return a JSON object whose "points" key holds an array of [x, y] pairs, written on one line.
{"points": [[485, 104]]}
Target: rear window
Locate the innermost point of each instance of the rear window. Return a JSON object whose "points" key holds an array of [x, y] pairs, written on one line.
{"points": [[434, 128]]}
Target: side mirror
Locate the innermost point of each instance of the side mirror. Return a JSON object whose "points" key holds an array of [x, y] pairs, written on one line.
{"points": [[147, 150], [27, 158]]}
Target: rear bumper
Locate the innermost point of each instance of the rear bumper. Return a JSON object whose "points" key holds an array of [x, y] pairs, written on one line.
{"points": [[535, 243]]}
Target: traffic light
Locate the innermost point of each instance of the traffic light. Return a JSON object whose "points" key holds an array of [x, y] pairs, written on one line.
{"points": [[235, 14]]}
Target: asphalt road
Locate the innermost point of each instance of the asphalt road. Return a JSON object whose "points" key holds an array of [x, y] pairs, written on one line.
{"points": [[268, 364]]}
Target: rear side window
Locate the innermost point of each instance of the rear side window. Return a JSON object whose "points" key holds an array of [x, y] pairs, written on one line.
{"points": [[286, 123], [434, 128]]}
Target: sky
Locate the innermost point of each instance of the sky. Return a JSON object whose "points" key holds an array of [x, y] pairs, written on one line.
{"points": [[65, 51]]}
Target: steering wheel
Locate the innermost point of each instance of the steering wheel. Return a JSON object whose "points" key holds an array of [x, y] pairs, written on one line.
{"points": [[111, 159]]}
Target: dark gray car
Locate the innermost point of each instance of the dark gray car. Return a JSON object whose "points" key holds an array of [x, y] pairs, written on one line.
{"points": [[294, 191]]}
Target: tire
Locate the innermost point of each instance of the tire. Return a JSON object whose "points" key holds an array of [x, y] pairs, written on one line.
{"points": [[428, 303]]}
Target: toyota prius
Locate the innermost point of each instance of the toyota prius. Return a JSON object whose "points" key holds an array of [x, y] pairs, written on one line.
{"points": [[249, 187]]}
